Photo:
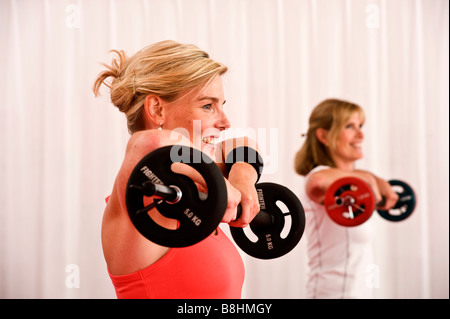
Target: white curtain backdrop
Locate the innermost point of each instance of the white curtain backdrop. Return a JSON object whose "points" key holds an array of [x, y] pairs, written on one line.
{"points": [[61, 147]]}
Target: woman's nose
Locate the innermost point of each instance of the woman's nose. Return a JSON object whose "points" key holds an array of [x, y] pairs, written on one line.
{"points": [[223, 123], [360, 133]]}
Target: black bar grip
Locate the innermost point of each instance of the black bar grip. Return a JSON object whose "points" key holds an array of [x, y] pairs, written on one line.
{"points": [[382, 202], [167, 193], [263, 218], [170, 194]]}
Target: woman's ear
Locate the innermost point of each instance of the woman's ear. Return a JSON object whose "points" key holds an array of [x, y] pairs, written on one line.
{"points": [[322, 136], [154, 110]]}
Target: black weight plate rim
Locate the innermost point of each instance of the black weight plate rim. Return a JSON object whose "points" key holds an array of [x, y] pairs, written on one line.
{"points": [[281, 246], [411, 203], [188, 233]]}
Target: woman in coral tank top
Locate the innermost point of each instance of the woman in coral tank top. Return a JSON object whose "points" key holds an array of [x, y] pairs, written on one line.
{"points": [[162, 88]]}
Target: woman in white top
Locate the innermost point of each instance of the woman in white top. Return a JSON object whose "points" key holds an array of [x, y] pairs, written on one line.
{"points": [[340, 258]]}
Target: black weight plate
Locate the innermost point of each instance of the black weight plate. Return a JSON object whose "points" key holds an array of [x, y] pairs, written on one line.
{"points": [[197, 218], [405, 204], [270, 244]]}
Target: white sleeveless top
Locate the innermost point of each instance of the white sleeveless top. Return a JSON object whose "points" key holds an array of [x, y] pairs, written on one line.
{"points": [[340, 259]]}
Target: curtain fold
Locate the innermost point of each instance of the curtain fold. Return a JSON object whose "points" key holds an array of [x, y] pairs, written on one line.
{"points": [[61, 147]]}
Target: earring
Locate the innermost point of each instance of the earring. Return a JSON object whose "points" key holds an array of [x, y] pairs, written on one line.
{"points": [[160, 127]]}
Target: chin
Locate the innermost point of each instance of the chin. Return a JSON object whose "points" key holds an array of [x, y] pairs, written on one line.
{"points": [[209, 150]]}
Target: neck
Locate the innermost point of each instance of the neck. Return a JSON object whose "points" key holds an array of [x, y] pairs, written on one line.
{"points": [[345, 165]]}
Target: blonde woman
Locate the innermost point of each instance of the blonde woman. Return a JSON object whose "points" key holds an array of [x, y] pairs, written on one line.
{"points": [[340, 258], [164, 87]]}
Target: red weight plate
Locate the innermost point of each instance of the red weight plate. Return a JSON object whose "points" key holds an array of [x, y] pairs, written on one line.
{"points": [[349, 201]]}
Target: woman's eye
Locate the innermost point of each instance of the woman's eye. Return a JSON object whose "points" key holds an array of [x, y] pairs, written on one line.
{"points": [[207, 107]]}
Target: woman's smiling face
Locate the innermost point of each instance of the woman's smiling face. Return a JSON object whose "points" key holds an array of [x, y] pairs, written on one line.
{"points": [[200, 114], [348, 148]]}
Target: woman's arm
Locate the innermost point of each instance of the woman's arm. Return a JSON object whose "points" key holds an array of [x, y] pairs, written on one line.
{"points": [[140, 144], [389, 196], [124, 248], [241, 179]]}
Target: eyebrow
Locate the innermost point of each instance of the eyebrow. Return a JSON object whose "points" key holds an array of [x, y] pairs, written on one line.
{"points": [[212, 98]]}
